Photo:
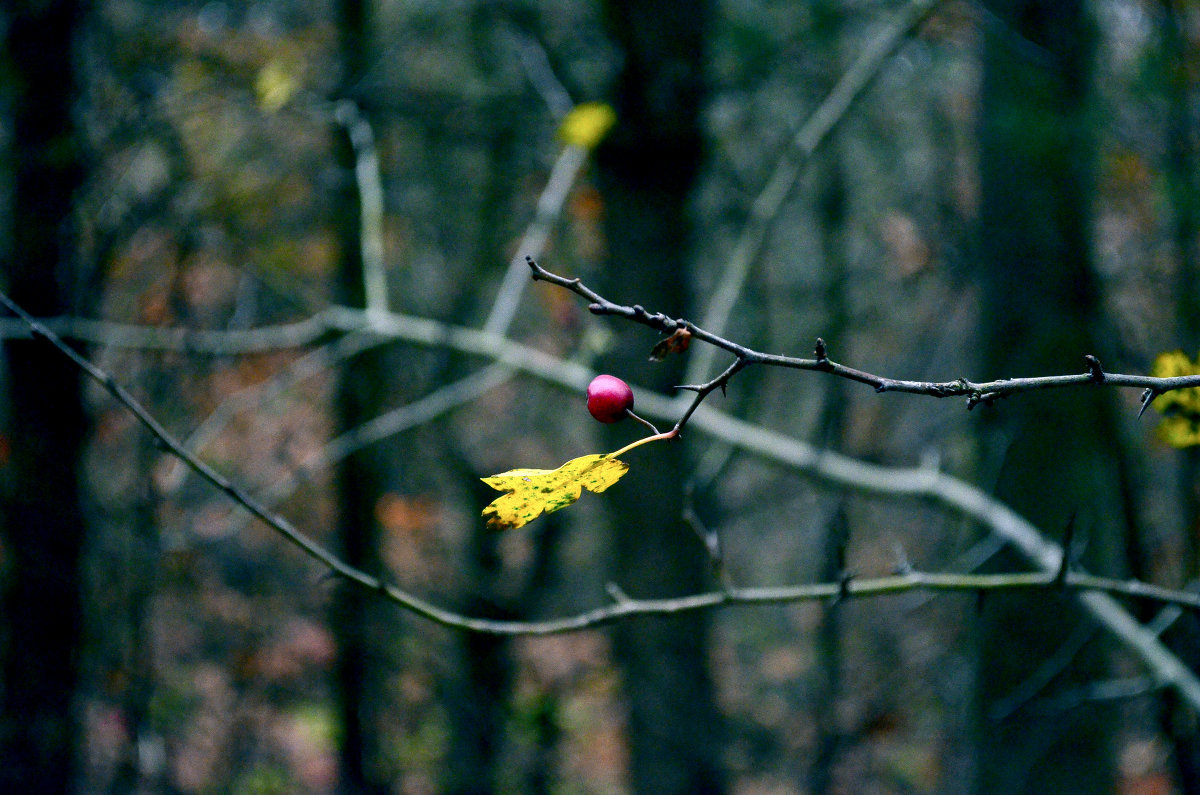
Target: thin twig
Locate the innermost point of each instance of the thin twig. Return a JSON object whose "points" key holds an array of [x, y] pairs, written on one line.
{"points": [[975, 392], [423, 331], [370, 200], [132, 336], [549, 207]]}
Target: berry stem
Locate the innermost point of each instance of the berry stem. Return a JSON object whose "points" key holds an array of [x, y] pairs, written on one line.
{"points": [[647, 423]]}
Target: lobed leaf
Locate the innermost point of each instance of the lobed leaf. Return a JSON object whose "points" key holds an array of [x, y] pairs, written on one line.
{"points": [[532, 492]]}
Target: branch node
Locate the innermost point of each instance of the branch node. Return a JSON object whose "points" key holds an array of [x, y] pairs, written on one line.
{"points": [[616, 594], [980, 399], [596, 309], [821, 353], [1094, 368], [843, 594]]}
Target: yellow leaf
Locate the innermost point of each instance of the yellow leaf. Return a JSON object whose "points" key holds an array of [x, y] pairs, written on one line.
{"points": [[1180, 407], [275, 85], [587, 124], [532, 492], [1180, 431]]}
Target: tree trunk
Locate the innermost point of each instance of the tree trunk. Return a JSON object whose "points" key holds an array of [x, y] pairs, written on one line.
{"points": [[1040, 311], [41, 522], [360, 478], [1183, 190], [646, 172]]}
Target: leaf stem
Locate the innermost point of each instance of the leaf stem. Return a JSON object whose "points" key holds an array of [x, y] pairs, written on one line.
{"points": [[658, 437]]}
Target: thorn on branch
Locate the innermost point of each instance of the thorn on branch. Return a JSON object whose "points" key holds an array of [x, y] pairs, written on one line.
{"points": [[1147, 398], [1094, 368], [596, 309], [1060, 578]]}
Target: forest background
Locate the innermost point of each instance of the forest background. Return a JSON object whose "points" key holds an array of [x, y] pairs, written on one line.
{"points": [[295, 231]]}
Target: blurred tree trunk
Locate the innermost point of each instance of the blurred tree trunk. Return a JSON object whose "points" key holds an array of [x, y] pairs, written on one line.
{"points": [[42, 524], [832, 201], [360, 478], [1183, 190], [646, 172], [479, 696], [1040, 313]]}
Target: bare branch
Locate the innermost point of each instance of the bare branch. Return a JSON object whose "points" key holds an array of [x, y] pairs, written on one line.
{"points": [[554, 195], [370, 198], [975, 392], [1096, 594], [549, 206], [213, 343]]}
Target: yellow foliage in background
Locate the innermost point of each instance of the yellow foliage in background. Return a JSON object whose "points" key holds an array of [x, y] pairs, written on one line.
{"points": [[587, 124], [275, 85], [1180, 407]]}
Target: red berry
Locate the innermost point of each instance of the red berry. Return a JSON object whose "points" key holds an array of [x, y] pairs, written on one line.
{"points": [[608, 398]]}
